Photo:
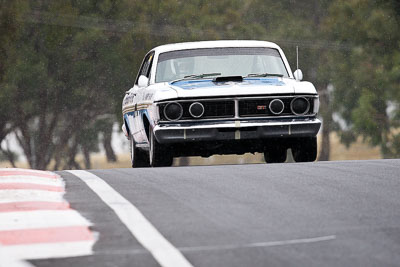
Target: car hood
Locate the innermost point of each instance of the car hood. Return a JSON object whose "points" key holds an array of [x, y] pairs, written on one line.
{"points": [[249, 86]]}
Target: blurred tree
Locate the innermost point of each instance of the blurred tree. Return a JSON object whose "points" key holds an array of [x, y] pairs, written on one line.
{"points": [[8, 24], [57, 77], [70, 62], [293, 23], [367, 77], [65, 65]]}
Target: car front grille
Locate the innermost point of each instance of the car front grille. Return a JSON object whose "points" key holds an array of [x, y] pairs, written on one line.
{"points": [[246, 107], [212, 109], [219, 109], [260, 107]]}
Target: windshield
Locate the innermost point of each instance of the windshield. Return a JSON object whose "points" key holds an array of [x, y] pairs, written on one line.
{"points": [[240, 61]]}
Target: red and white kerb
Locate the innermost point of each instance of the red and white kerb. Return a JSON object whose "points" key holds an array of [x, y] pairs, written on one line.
{"points": [[36, 221]]}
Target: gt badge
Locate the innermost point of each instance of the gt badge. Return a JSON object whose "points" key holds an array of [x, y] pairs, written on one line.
{"points": [[261, 107]]}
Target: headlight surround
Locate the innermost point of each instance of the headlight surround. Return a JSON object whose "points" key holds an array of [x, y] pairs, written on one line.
{"points": [[300, 106], [276, 106], [173, 111], [196, 110]]}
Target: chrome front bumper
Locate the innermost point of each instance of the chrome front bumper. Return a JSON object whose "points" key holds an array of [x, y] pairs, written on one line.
{"points": [[235, 130]]}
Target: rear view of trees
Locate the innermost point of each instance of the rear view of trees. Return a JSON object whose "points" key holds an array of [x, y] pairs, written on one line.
{"points": [[367, 76], [57, 79], [65, 65]]}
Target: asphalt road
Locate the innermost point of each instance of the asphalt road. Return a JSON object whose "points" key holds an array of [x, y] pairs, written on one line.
{"points": [[312, 214]]}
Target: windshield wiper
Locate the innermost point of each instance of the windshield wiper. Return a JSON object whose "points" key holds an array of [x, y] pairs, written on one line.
{"points": [[264, 75], [196, 76]]}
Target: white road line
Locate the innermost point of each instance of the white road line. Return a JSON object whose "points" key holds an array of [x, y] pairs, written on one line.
{"points": [[261, 244], [161, 249], [47, 250], [235, 246], [40, 219], [22, 195]]}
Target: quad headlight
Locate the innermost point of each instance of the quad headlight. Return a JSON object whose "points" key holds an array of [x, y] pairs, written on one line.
{"points": [[196, 110], [300, 106], [276, 106], [173, 111]]}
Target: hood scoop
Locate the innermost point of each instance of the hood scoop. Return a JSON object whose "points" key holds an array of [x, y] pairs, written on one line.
{"points": [[223, 79]]}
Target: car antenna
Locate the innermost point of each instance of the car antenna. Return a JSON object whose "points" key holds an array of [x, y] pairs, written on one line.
{"points": [[297, 56]]}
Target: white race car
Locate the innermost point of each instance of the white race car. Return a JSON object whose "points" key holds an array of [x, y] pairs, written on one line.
{"points": [[219, 97]]}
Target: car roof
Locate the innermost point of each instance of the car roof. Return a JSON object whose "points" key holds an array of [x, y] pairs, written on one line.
{"points": [[213, 44]]}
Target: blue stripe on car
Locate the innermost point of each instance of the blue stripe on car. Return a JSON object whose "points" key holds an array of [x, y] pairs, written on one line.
{"points": [[196, 84]]}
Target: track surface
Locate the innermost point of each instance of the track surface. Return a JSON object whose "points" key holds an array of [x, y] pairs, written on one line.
{"points": [[214, 215]]}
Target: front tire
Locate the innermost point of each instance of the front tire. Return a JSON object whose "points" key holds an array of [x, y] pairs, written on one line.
{"points": [[138, 157], [159, 155], [305, 149]]}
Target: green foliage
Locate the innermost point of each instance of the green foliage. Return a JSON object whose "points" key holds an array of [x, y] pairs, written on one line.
{"points": [[68, 63], [366, 77], [65, 65]]}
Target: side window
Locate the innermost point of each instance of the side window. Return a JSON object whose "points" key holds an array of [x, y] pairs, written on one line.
{"points": [[146, 66], [150, 63]]}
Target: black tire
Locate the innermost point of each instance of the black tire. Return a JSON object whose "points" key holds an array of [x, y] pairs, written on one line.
{"points": [[139, 158], [305, 149], [275, 154], [159, 155]]}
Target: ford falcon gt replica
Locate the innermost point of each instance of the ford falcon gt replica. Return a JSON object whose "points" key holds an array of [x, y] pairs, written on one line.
{"points": [[219, 97]]}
